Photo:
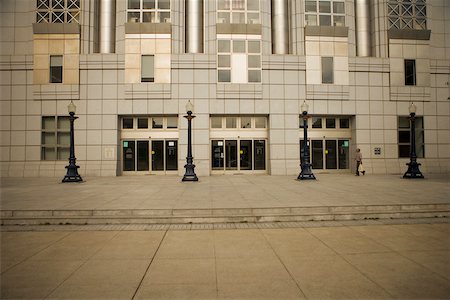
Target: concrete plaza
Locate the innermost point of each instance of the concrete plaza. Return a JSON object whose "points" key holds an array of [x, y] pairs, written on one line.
{"points": [[344, 262]]}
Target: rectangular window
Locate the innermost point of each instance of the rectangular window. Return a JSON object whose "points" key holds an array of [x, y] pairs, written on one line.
{"points": [[147, 68], [325, 13], [330, 122], [327, 70], [238, 11], [148, 11], [127, 123], [410, 72], [316, 122], [404, 137], [172, 122], [56, 68], [142, 123], [157, 122], [55, 138], [239, 61]]}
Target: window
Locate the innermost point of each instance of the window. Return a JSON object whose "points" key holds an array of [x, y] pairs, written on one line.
{"points": [[56, 68], [327, 70], [147, 68], [238, 11], [410, 72], [242, 123], [55, 138], [239, 61], [157, 122], [169, 122], [325, 13], [330, 123], [407, 14], [344, 123], [127, 123], [404, 137], [316, 122], [142, 123], [58, 11], [148, 11]]}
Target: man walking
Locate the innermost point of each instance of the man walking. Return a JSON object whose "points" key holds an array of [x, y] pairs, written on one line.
{"points": [[358, 158]]}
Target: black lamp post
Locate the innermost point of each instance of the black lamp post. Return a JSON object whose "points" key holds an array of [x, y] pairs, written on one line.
{"points": [[306, 172], [189, 175], [413, 167], [72, 168]]}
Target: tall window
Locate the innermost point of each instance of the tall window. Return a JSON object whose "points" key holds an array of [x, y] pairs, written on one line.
{"points": [[56, 68], [410, 72], [147, 68], [239, 61], [325, 13], [407, 14], [238, 11], [149, 11], [58, 11], [404, 137], [327, 70], [55, 138]]}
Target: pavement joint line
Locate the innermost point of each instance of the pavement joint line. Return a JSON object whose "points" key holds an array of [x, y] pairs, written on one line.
{"points": [[350, 264], [283, 264], [148, 267], [220, 226], [79, 267]]}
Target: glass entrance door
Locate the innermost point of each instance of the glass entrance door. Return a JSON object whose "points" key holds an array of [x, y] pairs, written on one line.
{"points": [[137, 154], [330, 154], [251, 155], [260, 154], [142, 156], [245, 153], [157, 155], [171, 155], [128, 155], [335, 154], [231, 155]]}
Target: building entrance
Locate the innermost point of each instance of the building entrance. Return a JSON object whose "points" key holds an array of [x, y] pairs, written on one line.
{"points": [[149, 155], [238, 155], [327, 154]]}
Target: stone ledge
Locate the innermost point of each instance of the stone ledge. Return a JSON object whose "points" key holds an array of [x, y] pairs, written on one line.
{"points": [[56, 28], [409, 34]]}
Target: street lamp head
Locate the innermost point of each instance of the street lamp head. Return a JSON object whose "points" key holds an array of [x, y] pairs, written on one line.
{"points": [[71, 107], [412, 108], [189, 106], [304, 107]]}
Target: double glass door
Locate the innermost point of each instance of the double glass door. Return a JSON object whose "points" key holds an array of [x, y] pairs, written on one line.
{"points": [[328, 154], [238, 155], [146, 156]]}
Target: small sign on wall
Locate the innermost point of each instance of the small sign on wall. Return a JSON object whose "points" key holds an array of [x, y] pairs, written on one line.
{"points": [[108, 153], [377, 150]]}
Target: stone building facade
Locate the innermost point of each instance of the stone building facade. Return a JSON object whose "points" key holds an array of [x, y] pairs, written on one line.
{"points": [[130, 66]]}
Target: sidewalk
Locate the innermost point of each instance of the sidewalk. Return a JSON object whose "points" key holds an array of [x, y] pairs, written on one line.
{"points": [[347, 262], [229, 194]]}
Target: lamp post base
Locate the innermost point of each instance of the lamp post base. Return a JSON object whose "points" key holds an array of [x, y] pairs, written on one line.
{"points": [[72, 174], [190, 174], [413, 171], [306, 173]]}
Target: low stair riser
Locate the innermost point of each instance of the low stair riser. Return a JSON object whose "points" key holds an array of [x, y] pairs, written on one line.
{"points": [[219, 219]]}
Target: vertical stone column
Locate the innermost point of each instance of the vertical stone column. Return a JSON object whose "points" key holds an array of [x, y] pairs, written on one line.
{"points": [[363, 38], [280, 27], [107, 26], [194, 26]]}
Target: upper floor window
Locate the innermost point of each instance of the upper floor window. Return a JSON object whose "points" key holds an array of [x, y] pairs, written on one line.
{"points": [[239, 61], [410, 72], [325, 13], [56, 68], [147, 68], [148, 11], [327, 70], [58, 11], [407, 14], [238, 11]]}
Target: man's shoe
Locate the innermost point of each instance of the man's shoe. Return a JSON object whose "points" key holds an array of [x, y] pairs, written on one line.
{"points": [[364, 172]]}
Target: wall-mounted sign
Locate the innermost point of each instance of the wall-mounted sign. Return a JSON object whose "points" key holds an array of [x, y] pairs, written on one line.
{"points": [[171, 144], [219, 143], [345, 144], [377, 150], [125, 144]]}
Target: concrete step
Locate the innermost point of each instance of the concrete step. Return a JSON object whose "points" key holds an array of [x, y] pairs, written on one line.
{"points": [[222, 215]]}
